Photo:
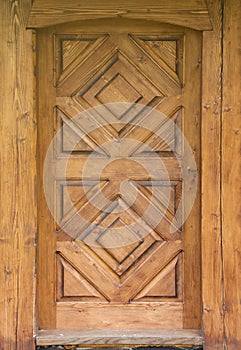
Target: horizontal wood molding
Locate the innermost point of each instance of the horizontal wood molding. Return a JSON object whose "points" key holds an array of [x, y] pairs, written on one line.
{"points": [[121, 337], [189, 13]]}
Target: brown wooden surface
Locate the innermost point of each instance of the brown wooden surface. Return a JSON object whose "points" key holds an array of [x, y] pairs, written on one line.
{"points": [[212, 289], [231, 167], [123, 336], [95, 316], [191, 230], [18, 170], [45, 242], [17, 227], [139, 284], [189, 13]]}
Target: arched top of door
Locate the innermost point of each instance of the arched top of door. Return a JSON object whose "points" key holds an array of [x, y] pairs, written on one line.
{"points": [[187, 13]]}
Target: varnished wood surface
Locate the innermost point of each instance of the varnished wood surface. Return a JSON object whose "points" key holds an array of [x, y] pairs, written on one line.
{"points": [[120, 337], [17, 178], [93, 68], [212, 288], [231, 167], [16, 247], [191, 229], [188, 13], [46, 242], [71, 315]]}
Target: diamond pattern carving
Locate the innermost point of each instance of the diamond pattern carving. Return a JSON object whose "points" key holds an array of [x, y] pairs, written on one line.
{"points": [[111, 238], [118, 254], [120, 89], [120, 82], [120, 248]]}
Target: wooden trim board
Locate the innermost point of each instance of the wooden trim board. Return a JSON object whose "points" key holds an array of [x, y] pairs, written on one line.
{"points": [[188, 13], [212, 288], [120, 337]]}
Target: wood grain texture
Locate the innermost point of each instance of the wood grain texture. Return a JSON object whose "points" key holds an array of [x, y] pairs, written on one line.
{"points": [[136, 277], [120, 337], [120, 290], [45, 241], [191, 229], [99, 316], [188, 13], [18, 171], [18, 164], [212, 289], [231, 167]]}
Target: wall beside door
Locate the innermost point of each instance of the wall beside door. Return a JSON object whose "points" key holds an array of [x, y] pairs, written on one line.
{"points": [[17, 178], [221, 119], [230, 169]]}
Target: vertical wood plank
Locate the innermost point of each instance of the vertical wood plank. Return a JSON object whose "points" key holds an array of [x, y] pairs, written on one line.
{"points": [[231, 169], [212, 289], [17, 161], [191, 236], [46, 264]]}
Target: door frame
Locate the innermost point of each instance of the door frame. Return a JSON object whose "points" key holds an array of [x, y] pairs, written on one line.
{"points": [[209, 109], [24, 158]]}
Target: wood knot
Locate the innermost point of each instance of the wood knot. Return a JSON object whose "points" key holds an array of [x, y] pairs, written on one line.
{"points": [[227, 109], [207, 105]]}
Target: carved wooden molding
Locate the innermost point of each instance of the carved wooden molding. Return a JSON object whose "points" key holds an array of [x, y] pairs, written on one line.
{"points": [[189, 13]]}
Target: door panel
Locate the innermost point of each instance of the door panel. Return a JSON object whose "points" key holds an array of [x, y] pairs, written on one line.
{"points": [[145, 276]]}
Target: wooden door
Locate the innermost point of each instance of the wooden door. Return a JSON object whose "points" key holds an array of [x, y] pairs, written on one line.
{"points": [[153, 279]]}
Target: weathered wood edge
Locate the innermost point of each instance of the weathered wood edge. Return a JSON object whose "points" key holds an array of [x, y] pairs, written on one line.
{"points": [[121, 337]]}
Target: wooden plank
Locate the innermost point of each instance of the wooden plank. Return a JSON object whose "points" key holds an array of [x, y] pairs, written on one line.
{"points": [[120, 336], [46, 238], [212, 288], [98, 316], [18, 171], [122, 26], [191, 229], [189, 13], [74, 170], [231, 166]]}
